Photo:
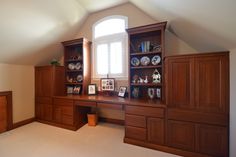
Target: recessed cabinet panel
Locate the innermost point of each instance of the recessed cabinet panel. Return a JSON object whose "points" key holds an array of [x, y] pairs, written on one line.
{"points": [[134, 120], [212, 140], [181, 135], [135, 133], [179, 83], [155, 129], [210, 84]]}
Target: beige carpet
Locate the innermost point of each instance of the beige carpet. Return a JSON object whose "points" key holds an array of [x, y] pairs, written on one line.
{"points": [[40, 140]]}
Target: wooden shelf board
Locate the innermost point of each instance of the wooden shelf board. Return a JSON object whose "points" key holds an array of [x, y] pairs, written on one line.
{"points": [[146, 67], [74, 60], [146, 84], [145, 53], [71, 71], [79, 83]]}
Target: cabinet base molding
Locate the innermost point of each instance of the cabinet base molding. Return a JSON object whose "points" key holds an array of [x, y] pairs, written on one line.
{"points": [[23, 122], [110, 120], [61, 125], [163, 148]]}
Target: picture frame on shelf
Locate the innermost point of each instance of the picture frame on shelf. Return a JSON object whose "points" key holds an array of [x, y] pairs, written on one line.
{"points": [[76, 90], [107, 84], [122, 91], [92, 89], [69, 90]]}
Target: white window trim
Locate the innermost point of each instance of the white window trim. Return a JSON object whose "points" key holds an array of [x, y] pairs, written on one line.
{"points": [[113, 38]]}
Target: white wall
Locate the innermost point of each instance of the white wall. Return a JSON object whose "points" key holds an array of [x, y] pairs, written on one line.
{"points": [[20, 80]]}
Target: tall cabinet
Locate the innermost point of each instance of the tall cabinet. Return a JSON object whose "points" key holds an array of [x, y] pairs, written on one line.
{"points": [[146, 54], [197, 97], [49, 81], [77, 65]]}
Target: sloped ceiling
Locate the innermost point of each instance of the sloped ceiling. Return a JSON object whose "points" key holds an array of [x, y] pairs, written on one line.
{"points": [[31, 30]]}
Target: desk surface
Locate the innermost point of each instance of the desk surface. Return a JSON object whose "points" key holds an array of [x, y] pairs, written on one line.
{"points": [[114, 100]]}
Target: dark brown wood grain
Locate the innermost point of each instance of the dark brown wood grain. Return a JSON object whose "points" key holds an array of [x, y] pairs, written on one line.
{"points": [[6, 111]]}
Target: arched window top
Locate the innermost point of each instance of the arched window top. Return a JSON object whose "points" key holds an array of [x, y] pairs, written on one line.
{"points": [[110, 25]]}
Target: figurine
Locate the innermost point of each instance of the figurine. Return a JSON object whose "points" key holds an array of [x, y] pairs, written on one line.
{"points": [[135, 79], [141, 80], [135, 92], [156, 76], [146, 79], [151, 92]]}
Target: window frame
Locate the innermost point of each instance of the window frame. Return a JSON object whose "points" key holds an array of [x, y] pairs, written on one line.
{"points": [[108, 39]]}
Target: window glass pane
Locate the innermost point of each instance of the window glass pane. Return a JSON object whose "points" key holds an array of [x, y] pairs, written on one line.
{"points": [[116, 58], [102, 59], [111, 26]]}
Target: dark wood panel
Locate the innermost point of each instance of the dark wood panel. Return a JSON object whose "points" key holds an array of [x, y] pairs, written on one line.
{"points": [[179, 83], [181, 135], [3, 114], [145, 111], [47, 112], [135, 133], [155, 129], [134, 120], [85, 103], [63, 102], [43, 100], [212, 140], [198, 117], [210, 84], [68, 120], [110, 106]]}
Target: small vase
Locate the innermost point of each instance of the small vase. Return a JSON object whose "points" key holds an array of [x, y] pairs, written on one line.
{"points": [[151, 93]]}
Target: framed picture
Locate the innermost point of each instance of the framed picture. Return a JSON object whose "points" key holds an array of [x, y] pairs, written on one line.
{"points": [[76, 90], [69, 90], [107, 84], [122, 91], [92, 89]]}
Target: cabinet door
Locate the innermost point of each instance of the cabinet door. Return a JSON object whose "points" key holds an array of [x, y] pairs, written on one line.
{"points": [[43, 81], [47, 112], [212, 140], [181, 135], [179, 85], [155, 130], [211, 83], [38, 110], [3, 114]]}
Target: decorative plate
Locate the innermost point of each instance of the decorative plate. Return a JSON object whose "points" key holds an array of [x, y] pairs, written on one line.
{"points": [[156, 60], [145, 60], [135, 61], [77, 66], [71, 66], [79, 78]]}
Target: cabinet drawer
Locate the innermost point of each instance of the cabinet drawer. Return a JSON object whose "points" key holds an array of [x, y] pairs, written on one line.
{"points": [[67, 110], [133, 120], [135, 133], [145, 111], [111, 106], [62, 102], [68, 120], [212, 140], [181, 135], [43, 100], [85, 103]]}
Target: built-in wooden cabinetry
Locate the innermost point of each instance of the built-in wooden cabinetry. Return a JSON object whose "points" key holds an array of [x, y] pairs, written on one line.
{"points": [[77, 65], [49, 81], [191, 116], [146, 55], [197, 99]]}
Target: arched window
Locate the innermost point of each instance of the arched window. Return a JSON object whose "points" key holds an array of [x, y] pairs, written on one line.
{"points": [[110, 50]]}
